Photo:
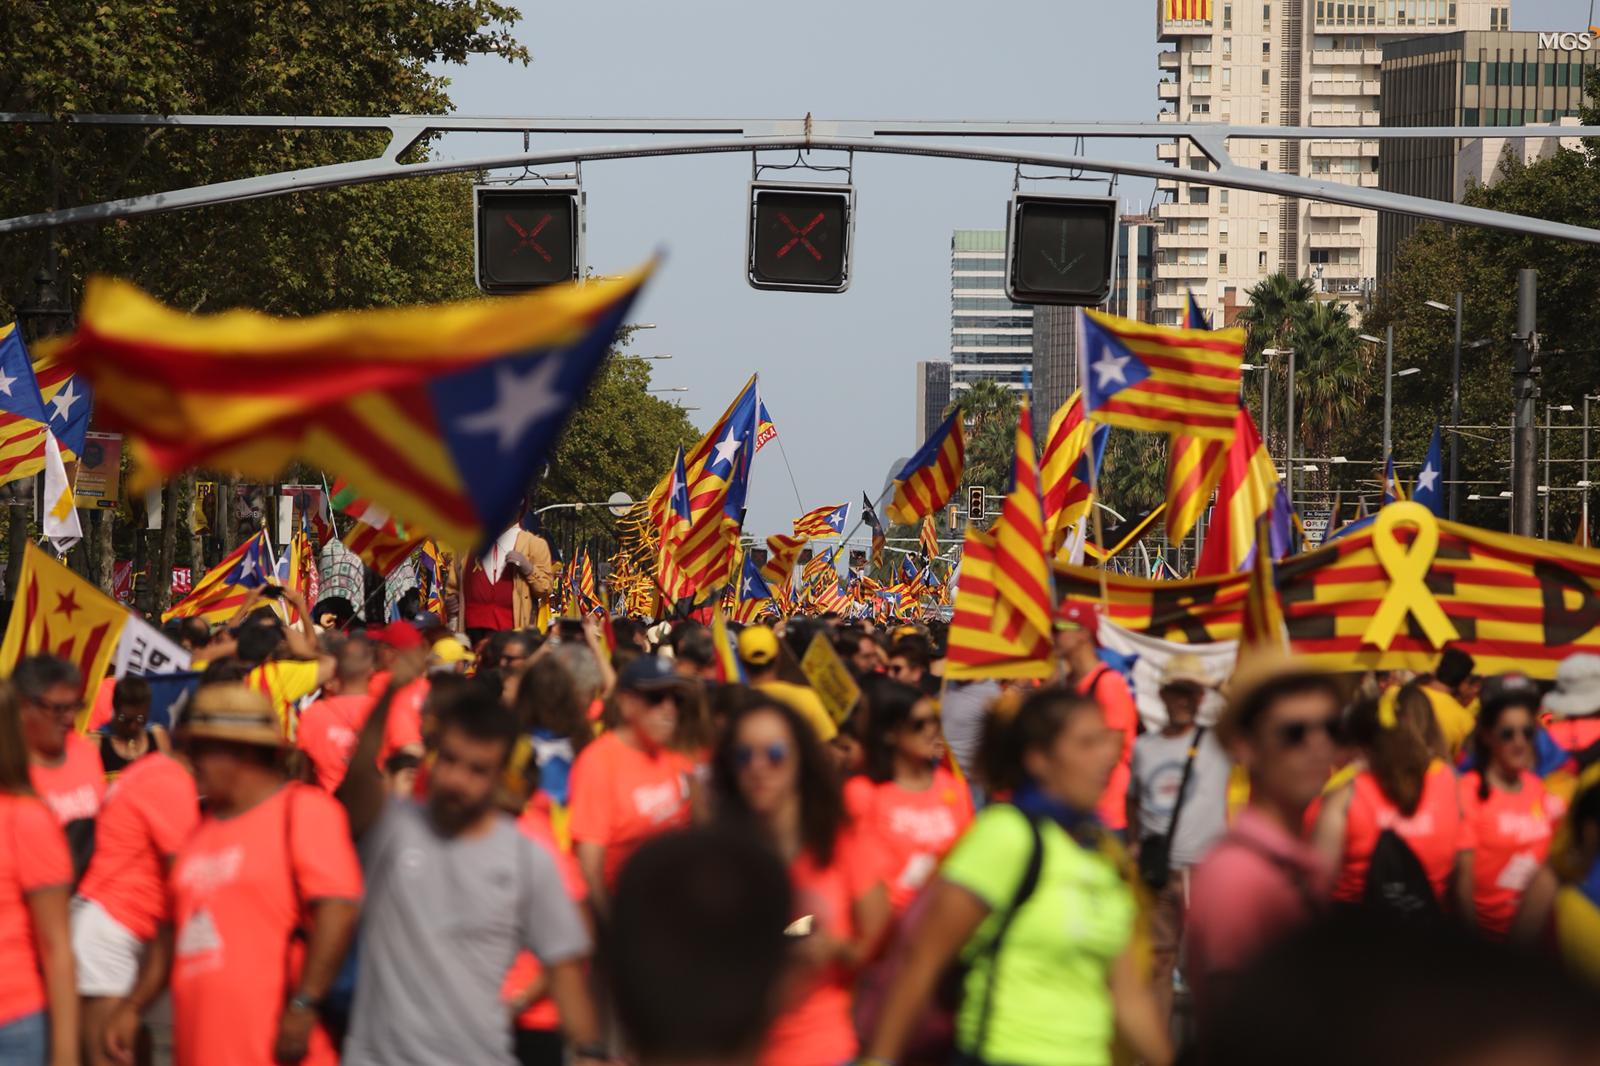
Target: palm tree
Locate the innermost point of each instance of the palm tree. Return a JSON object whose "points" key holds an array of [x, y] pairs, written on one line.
{"points": [[989, 412], [1330, 375], [1277, 304]]}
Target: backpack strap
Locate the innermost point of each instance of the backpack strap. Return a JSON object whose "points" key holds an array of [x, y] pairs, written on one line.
{"points": [[991, 950], [1291, 873]]}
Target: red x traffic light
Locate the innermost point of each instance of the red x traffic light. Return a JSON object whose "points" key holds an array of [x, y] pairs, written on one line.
{"points": [[800, 237], [528, 238]]}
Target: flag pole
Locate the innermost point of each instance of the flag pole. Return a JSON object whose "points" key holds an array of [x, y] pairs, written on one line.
{"points": [[1099, 530]]}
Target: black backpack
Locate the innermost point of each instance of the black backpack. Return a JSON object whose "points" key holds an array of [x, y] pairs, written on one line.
{"points": [[1396, 882]]}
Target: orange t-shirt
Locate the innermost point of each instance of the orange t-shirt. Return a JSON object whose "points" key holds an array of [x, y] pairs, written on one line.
{"points": [[912, 830], [405, 714], [621, 796], [1433, 831], [1108, 689], [149, 814], [535, 824], [33, 857], [240, 888], [72, 790], [1509, 836], [101, 710], [815, 1028], [328, 732]]}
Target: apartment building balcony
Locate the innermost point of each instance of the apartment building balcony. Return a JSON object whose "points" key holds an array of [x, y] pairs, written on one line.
{"points": [[1183, 211], [1169, 31], [1346, 56], [1167, 116], [1168, 60], [1185, 270], [1172, 301], [1344, 118], [1340, 239], [1167, 151], [1183, 240], [1341, 149], [1318, 209], [1168, 90], [1330, 87]]}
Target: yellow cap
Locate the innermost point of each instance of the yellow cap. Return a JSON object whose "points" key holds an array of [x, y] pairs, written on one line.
{"points": [[450, 650], [758, 645]]}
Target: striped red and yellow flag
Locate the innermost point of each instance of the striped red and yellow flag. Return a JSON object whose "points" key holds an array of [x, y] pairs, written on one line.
{"points": [[1188, 10], [825, 521], [926, 483], [1262, 627], [930, 538], [1194, 467], [1022, 572], [225, 587], [380, 549], [1160, 379], [22, 412], [974, 649], [782, 553], [1064, 470]]}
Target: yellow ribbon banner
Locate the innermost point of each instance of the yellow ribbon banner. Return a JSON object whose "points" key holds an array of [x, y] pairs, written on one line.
{"points": [[1390, 596]]}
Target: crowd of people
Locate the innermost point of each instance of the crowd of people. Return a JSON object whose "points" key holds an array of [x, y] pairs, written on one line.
{"points": [[401, 845]]}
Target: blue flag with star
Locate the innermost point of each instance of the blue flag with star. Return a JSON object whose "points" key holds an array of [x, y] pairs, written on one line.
{"points": [[1430, 480]]}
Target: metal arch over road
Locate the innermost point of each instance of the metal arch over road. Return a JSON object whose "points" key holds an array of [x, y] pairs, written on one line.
{"points": [[722, 136]]}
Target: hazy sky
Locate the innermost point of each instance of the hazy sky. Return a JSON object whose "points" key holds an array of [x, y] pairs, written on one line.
{"points": [[837, 371]]}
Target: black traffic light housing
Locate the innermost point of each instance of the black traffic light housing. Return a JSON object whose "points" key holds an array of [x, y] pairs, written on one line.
{"points": [[1061, 249], [976, 512], [800, 236], [527, 237]]}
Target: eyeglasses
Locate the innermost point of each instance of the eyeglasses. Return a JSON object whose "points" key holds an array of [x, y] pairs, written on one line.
{"points": [[774, 755], [1294, 734], [926, 724], [60, 709], [1508, 733], [137, 719]]}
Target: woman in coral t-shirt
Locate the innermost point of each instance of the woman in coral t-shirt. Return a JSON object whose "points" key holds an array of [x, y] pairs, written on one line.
{"points": [[1508, 815], [771, 773], [38, 992], [909, 805]]}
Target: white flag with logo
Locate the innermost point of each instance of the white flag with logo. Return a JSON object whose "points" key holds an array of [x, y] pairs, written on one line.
{"points": [[144, 649], [61, 526]]}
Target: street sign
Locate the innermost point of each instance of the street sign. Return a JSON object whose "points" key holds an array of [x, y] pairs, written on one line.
{"points": [[799, 237], [527, 238], [975, 511], [1314, 522], [1061, 249]]}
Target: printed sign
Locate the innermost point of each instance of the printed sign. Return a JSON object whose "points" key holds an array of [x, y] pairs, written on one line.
{"points": [[830, 678], [99, 483]]}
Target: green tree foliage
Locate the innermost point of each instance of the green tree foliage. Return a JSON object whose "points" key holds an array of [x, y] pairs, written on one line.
{"points": [[990, 413]]}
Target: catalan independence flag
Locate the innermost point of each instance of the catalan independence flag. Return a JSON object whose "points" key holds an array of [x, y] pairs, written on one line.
{"points": [[22, 413], [218, 595], [443, 415], [782, 553], [66, 397], [717, 472], [974, 649], [1160, 379], [1066, 476], [926, 483], [1194, 466], [1248, 490], [825, 521]]}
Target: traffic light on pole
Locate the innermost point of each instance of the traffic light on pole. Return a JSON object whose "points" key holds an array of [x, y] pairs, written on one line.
{"points": [[800, 236], [527, 238], [1061, 249], [975, 509]]}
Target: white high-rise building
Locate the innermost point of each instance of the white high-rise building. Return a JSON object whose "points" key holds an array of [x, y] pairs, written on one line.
{"points": [[1278, 63], [991, 338]]}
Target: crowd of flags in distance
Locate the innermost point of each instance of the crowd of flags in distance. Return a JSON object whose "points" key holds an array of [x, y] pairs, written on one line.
{"points": [[433, 421]]}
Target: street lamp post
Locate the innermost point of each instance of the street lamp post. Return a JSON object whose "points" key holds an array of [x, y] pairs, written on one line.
{"points": [[1549, 408], [1288, 422], [1586, 486]]}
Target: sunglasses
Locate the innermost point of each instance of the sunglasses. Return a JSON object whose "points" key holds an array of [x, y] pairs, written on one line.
{"points": [[774, 755], [1294, 734], [1508, 733], [927, 724], [658, 697]]}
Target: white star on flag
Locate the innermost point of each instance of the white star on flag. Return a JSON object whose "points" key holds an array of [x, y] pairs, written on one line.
{"points": [[1110, 370], [519, 402], [63, 400], [727, 448], [6, 381], [1428, 479], [836, 520]]}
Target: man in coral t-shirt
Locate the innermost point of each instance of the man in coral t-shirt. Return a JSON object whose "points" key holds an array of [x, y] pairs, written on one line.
{"points": [[65, 768], [149, 813], [1077, 626], [404, 726], [329, 727], [626, 787], [265, 897]]}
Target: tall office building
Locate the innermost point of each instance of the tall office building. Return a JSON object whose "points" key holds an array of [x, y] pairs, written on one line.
{"points": [[1494, 80], [933, 396], [1278, 63], [991, 338]]}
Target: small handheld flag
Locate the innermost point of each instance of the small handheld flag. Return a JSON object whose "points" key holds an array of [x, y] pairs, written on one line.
{"points": [[827, 521]]}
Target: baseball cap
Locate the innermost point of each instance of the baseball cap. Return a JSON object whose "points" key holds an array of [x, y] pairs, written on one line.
{"points": [[648, 673], [758, 645], [399, 635], [450, 650], [1076, 615]]}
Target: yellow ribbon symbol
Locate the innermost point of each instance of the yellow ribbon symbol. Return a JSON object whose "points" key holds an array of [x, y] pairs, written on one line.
{"points": [[1407, 569]]}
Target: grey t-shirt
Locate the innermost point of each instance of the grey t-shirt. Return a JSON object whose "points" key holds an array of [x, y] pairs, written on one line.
{"points": [[1156, 771], [965, 706], [442, 922]]}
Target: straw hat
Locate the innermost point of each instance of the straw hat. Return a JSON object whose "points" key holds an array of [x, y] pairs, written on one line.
{"points": [[233, 713], [1256, 672], [1185, 668]]}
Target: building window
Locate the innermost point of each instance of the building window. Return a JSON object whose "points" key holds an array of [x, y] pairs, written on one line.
{"points": [[1549, 73], [1227, 16], [1199, 194], [1227, 46], [1200, 74], [1263, 164], [1200, 107], [1266, 16], [1505, 73], [1320, 257], [1469, 116], [1469, 73], [1266, 77], [1266, 49], [1563, 73], [1222, 262], [1261, 260], [1227, 75], [1222, 198], [1222, 228], [1517, 71]]}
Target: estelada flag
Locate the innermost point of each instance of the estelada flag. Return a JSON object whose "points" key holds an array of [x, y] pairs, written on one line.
{"points": [[1160, 379], [443, 415], [825, 521], [59, 613], [975, 648], [930, 477], [218, 595]]}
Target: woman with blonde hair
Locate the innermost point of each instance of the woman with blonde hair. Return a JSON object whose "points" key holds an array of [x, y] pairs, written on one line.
{"points": [[38, 983]]}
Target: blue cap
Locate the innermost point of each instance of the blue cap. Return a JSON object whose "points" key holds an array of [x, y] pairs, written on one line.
{"points": [[648, 673]]}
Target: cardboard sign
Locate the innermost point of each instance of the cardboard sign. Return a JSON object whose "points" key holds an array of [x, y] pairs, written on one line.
{"points": [[830, 678], [99, 484]]}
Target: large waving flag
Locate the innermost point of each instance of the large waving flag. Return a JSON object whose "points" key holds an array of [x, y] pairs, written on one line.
{"points": [[1429, 481], [1248, 490], [826, 521], [23, 419], [717, 472], [1194, 466], [1069, 468], [670, 532], [869, 515], [926, 483], [59, 613], [66, 398], [1160, 378], [444, 415], [782, 553], [226, 586], [1022, 571], [975, 649]]}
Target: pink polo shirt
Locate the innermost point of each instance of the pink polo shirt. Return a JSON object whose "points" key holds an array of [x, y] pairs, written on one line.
{"points": [[1258, 883]]}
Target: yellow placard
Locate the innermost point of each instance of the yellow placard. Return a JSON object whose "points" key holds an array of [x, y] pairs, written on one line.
{"points": [[830, 678]]}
